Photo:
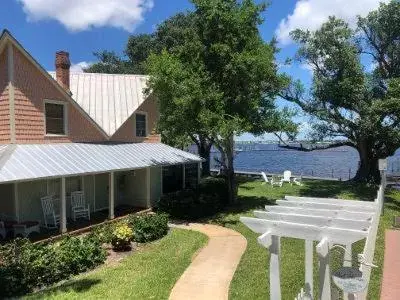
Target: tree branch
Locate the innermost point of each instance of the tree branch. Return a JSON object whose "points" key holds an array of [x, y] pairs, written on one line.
{"points": [[313, 148]]}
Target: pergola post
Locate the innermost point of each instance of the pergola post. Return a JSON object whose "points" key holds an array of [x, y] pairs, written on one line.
{"points": [[309, 286], [347, 263], [324, 270], [111, 184], [63, 207], [272, 242]]}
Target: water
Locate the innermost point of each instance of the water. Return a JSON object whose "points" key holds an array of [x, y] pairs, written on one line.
{"points": [[337, 163]]}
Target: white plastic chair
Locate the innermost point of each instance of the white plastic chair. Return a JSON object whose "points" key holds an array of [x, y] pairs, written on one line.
{"points": [[79, 207], [264, 176], [51, 219], [287, 175], [276, 182], [298, 181]]}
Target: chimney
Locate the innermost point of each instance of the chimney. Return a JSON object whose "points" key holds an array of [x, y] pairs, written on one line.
{"points": [[62, 69]]}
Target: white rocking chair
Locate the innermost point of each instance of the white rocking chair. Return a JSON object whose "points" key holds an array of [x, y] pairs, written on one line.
{"points": [[79, 207], [51, 219], [287, 177]]}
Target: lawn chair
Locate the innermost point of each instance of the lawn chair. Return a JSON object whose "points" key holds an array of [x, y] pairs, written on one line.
{"points": [[51, 219], [264, 176], [298, 181], [287, 175], [275, 181], [79, 207]]}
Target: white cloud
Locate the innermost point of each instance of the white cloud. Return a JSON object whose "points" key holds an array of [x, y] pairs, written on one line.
{"points": [[78, 15], [310, 14], [78, 68]]}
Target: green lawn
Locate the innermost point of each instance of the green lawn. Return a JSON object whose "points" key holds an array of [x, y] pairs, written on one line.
{"points": [[149, 273], [251, 278]]}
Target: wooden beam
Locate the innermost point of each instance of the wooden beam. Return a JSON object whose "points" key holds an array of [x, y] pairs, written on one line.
{"points": [[111, 195], [265, 239], [63, 207], [314, 220], [304, 231], [332, 201], [324, 269], [325, 206], [344, 214], [348, 263]]}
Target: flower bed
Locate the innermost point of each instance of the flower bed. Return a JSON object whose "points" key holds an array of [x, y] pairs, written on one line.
{"points": [[26, 266]]}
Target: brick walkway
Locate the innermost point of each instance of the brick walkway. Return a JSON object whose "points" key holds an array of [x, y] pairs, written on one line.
{"points": [[391, 267], [209, 275]]}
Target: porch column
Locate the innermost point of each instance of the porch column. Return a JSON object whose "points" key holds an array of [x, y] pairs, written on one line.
{"points": [[161, 181], [63, 207], [183, 177], [198, 172], [111, 195], [324, 270], [148, 187], [16, 202]]}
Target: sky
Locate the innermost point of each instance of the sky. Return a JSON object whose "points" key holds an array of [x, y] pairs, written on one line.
{"points": [[82, 27]]}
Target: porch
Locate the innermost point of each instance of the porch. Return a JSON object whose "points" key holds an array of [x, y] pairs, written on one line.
{"points": [[125, 189]]}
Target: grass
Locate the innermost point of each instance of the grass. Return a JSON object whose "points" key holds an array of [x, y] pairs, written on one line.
{"points": [[149, 273], [251, 279]]}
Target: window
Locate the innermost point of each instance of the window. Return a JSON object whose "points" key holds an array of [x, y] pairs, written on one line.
{"points": [[55, 118], [141, 125]]}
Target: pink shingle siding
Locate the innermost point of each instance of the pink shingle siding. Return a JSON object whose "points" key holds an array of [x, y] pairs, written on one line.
{"points": [[4, 104]]}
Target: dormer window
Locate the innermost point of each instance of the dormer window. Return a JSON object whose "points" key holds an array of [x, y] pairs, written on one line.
{"points": [[141, 124], [56, 118]]}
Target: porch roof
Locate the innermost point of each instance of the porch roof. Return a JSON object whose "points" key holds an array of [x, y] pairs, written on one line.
{"points": [[28, 162]]}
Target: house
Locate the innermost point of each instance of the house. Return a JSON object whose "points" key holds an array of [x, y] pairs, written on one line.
{"points": [[62, 132]]}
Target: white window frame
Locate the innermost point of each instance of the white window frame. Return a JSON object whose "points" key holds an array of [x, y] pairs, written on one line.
{"points": [[65, 108], [147, 120]]}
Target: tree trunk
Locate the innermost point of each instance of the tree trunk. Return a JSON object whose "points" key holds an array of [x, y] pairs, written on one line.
{"points": [[230, 171], [368, 168], [204, 150]]}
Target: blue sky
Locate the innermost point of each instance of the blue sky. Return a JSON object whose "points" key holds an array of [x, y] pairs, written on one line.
{"points": [[84, 26]]}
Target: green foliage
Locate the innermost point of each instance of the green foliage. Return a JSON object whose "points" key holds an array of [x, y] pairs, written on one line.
{"points": [[103, 233], [122, 237], [25, 266], [206, 200], [345, 100], [149, 227]]}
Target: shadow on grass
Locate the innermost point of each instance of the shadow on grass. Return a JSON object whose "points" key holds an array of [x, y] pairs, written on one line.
{"points": [[336, 189], [78, 286]]}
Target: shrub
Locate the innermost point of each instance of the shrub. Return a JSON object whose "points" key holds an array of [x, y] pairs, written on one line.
{"points": [[25, 266], [205, 200], [122, 237], [103, 233], [149, 227]]}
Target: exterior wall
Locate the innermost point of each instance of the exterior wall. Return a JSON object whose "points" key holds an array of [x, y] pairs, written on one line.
{"points": [[155, 185], [135, 188], [101, 191], [7, 208], [29, 194], [127, 132], [31, 89], [88, 188], [4, 104]]}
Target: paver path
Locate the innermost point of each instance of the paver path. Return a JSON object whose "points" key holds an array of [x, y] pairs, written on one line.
{"points": [[210, 273], [391, 266]]}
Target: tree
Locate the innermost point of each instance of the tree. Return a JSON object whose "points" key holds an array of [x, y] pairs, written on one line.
{"points": [[345, 100], [222, 79], [109, 62]]}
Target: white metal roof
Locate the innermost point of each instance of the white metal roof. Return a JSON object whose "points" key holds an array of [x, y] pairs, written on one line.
{"points": [[27, 162], [109, 99]]}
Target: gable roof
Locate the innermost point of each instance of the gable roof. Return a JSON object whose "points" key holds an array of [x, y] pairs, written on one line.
{"points": [[109, 99], [6, 37]]}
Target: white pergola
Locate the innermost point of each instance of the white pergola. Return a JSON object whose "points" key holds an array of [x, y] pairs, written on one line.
{"points": [[325, 220]]}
